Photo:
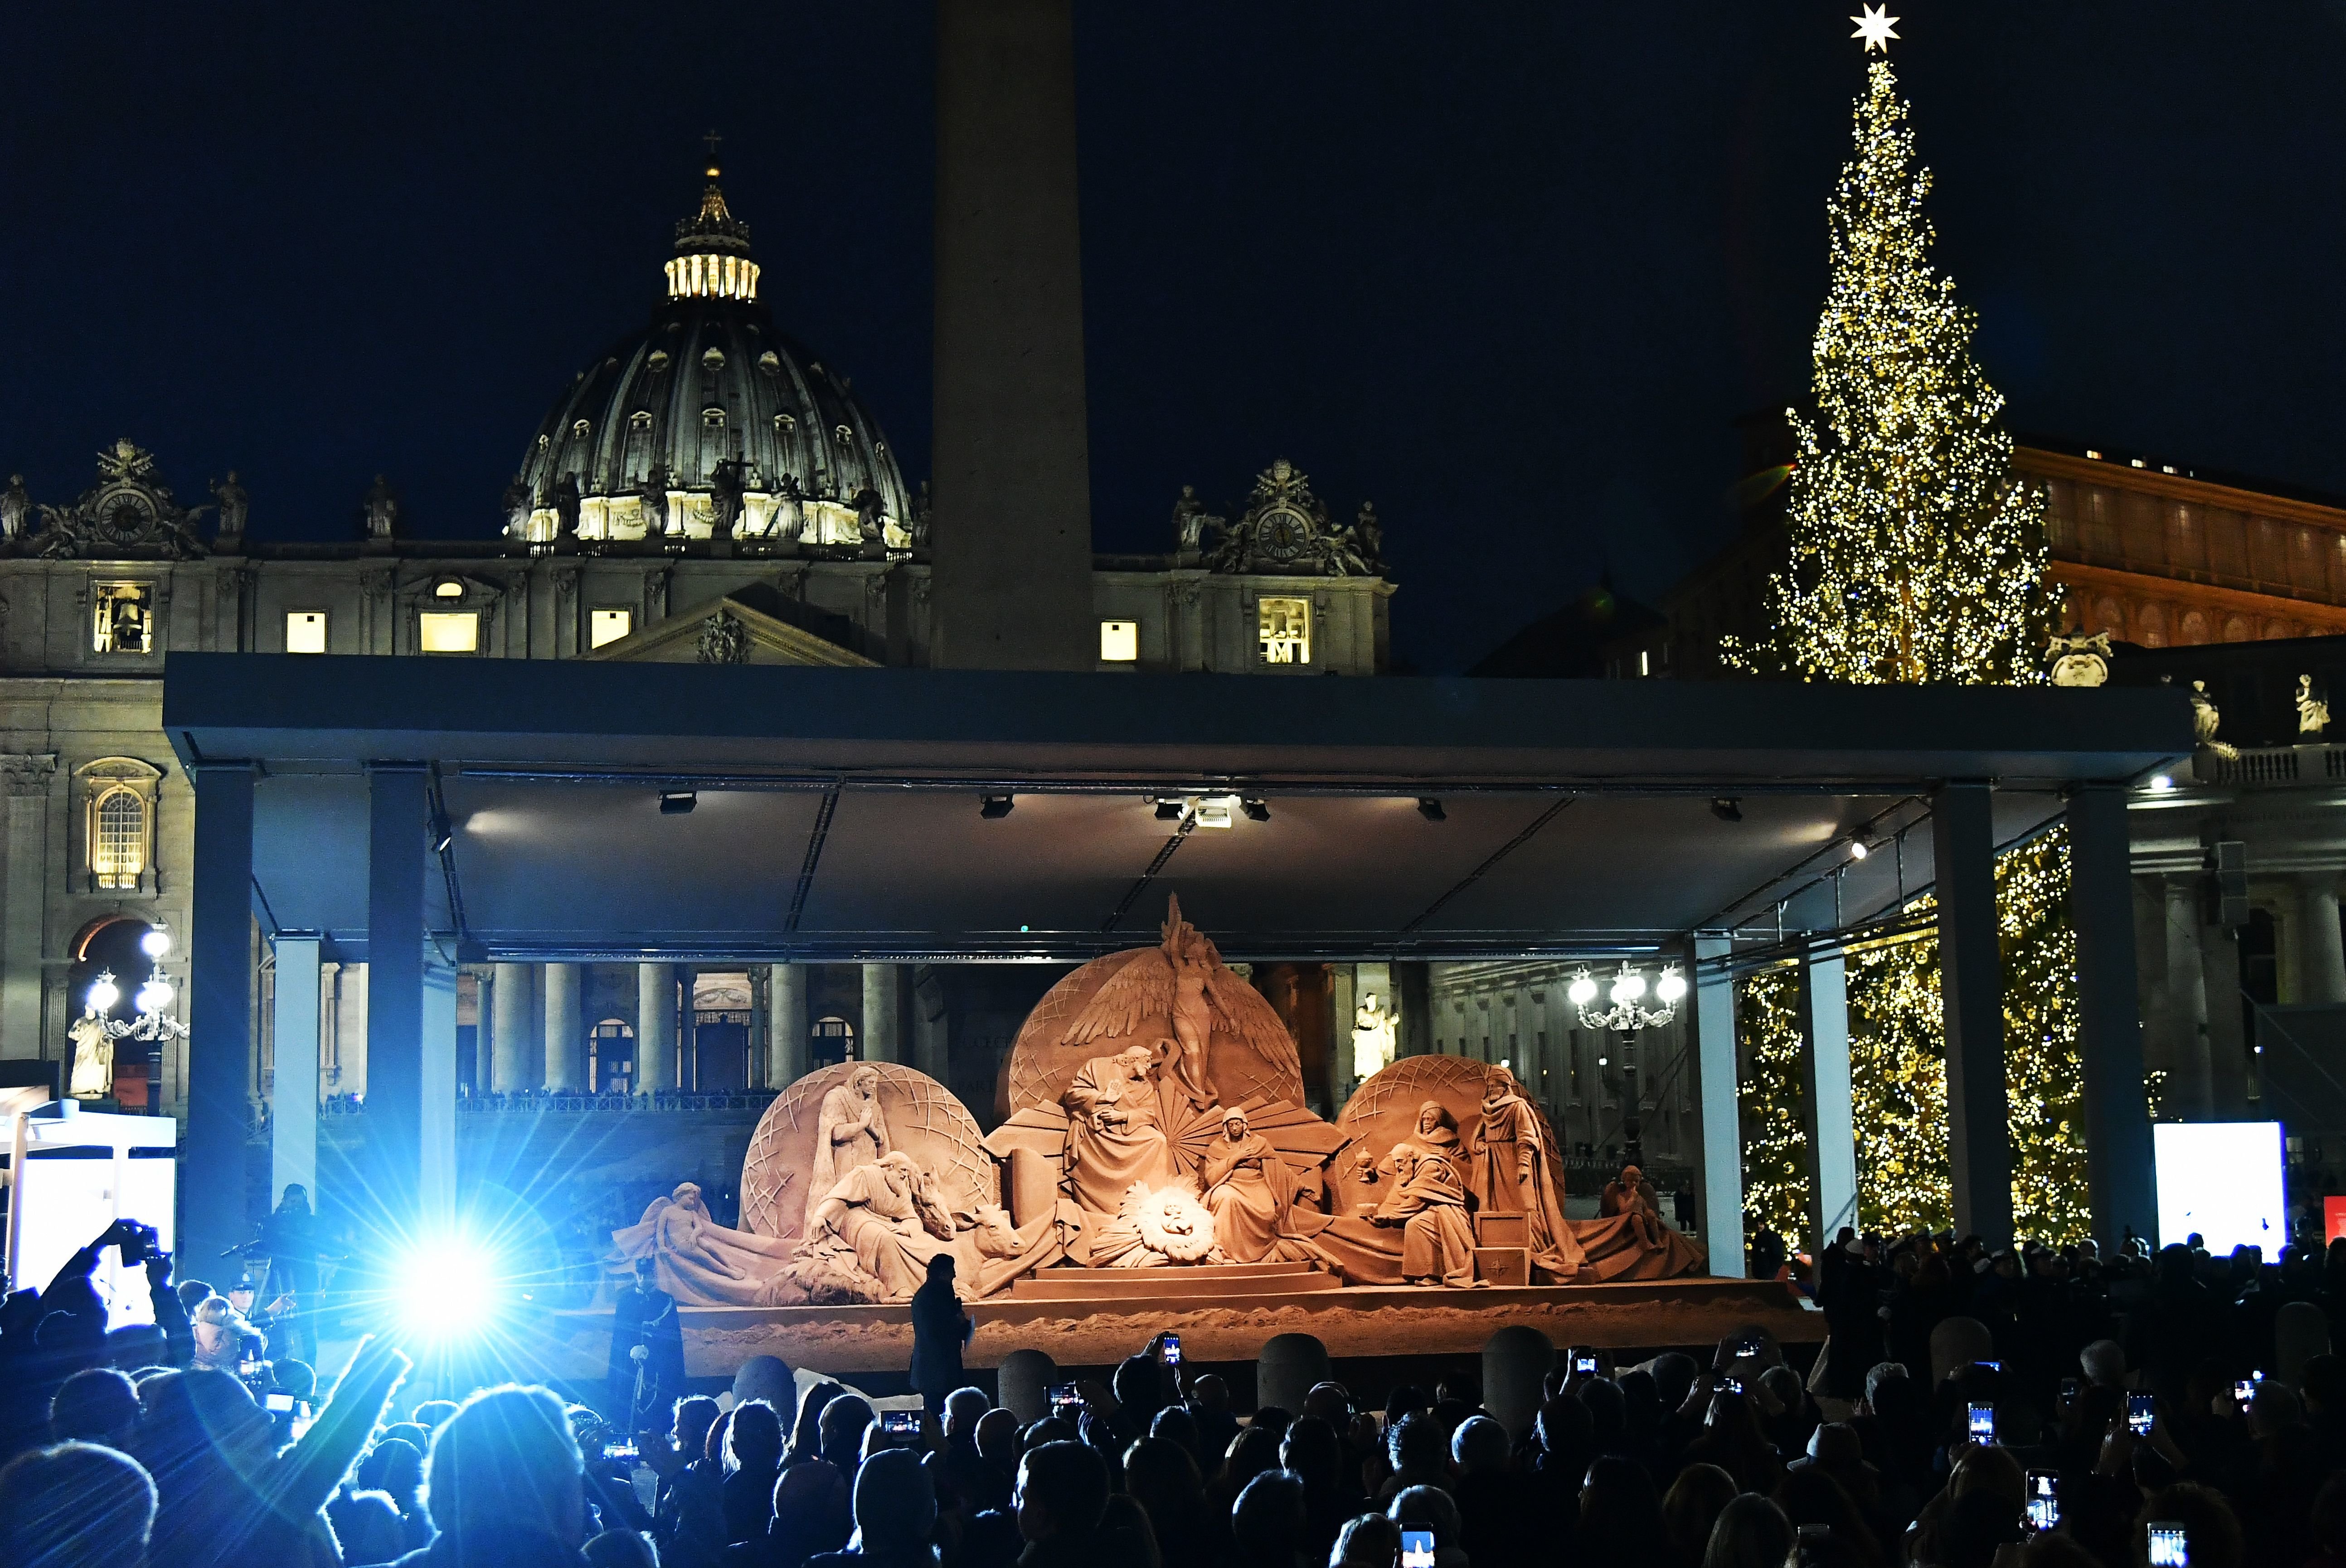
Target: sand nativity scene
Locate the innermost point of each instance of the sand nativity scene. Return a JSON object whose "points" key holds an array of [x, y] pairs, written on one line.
{"points": [[1152, 1118]]}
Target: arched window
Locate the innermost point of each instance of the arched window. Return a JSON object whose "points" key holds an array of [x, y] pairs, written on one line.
{"points": [[611, 1058], [118, 819], [830, 1041]]}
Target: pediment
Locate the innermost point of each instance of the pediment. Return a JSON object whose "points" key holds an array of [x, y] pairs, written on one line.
{"points": [[733, 629]]}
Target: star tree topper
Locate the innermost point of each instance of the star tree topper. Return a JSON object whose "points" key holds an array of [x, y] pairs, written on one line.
{"points": [[1876, 27]]}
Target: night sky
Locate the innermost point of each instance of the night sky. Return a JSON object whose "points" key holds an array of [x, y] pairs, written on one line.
{"points": [[1510, 271]]}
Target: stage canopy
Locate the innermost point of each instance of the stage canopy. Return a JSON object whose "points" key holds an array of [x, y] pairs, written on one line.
{"points": [[859, 814]]}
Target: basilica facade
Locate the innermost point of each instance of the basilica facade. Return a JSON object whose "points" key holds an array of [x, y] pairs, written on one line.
{"points": [[706, 490]]}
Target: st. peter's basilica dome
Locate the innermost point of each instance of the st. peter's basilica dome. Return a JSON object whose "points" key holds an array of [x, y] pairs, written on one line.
{"points": [[709, 423]]}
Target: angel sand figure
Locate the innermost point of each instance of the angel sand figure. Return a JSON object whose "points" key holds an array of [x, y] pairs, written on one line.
{"points": [[697, 1260], [850, 1129], [1209, 1013], [1248, 1189]]}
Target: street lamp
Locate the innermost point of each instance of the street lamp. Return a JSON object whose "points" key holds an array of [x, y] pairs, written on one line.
{"points": [[1624, 1014]]}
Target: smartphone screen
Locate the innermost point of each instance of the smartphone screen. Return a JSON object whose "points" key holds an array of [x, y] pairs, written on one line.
{"points": [[1749, 1345], [1065, 1400], [1584, 1364], [1991, 1366], [2138, 1408], [1172, 1352], [1417, 1548], [1981, 1423], [2044, 1501], [283, 1403], [2244, 1391], [2069, 1390], [1732, 1385], [620, 1448], [901, 1423], [2169, 1548]]}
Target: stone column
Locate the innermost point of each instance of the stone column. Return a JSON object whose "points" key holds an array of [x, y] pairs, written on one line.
{"points": [[2190, 1086], [1413, 993], [930, 1042], [2321, 952], [1344, 993], [655, 1027], [514, 1057], [2118, 1157], [1970, 969], [219, 1015], [26, 779], [293, 1093], [786, 1033], [1722, 1112], [564, 1045], [883, 1008]]}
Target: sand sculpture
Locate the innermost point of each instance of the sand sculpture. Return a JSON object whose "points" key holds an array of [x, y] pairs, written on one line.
{"points": [[1152, 1117]]}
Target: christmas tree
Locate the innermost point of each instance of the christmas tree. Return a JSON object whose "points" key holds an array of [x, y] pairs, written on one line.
{"points": [[1914, 555]]}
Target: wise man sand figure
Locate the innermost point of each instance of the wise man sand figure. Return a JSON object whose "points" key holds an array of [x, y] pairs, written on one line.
{"points": [[1248, 1187], [1114, 1137], [1434, 1134], [1437, 1243], [1508, 1171], [850, 1130]]}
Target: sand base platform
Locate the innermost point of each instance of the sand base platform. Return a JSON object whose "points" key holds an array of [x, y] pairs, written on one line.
{"points": [[1218, 1319]]}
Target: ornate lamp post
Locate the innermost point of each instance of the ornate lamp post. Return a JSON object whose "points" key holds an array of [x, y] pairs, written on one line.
{"points": [[95, 1035], [1624, 1014]]}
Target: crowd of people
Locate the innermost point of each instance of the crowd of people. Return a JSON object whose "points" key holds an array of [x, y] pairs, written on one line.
{"points": [[1972, 1409]]}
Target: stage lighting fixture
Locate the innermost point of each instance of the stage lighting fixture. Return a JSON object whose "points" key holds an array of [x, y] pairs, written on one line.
{"points": [[1431, 809], [994, 808], [1726, 809], [1857, 849], [1255, 811], [1169, 808], [677, 803], [448, 1289]]}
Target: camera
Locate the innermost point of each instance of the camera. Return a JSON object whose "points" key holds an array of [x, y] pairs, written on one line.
{"points": [[135, 1241], [280, 1404]]}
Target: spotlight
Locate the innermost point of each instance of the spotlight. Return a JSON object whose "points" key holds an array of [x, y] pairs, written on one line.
{"points": [[2160, 783], [677, 803], [157, 941], [1857, 849], [1169, 808], [1725, 809], [448, 1289], [1431, 809], [994, 808], [1255, 811]]}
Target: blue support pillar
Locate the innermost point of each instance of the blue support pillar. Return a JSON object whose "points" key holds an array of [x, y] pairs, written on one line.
{"points": [[1832, 1127], [212, 1175], [1722, 1110], [2119, 1175], [1971, 985], [399, 816]]}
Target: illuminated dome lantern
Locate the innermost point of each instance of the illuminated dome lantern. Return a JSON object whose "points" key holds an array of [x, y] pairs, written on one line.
{"points": [[711, 423]]}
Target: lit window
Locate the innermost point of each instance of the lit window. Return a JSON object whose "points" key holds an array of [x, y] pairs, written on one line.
{"points": [[1285, 629], [712, 418], [1119, 641], [117, 836], [1645, 662], [580, 430], [609, 625], [305, 631], [122, 617], [448, 588], [448, 631]]}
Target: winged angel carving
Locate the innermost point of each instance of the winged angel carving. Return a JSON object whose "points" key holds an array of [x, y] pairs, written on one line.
{"points": [[1197, 1017]]}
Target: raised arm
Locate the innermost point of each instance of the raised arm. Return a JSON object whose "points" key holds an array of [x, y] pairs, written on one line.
{"points": [[311, 1470]]}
